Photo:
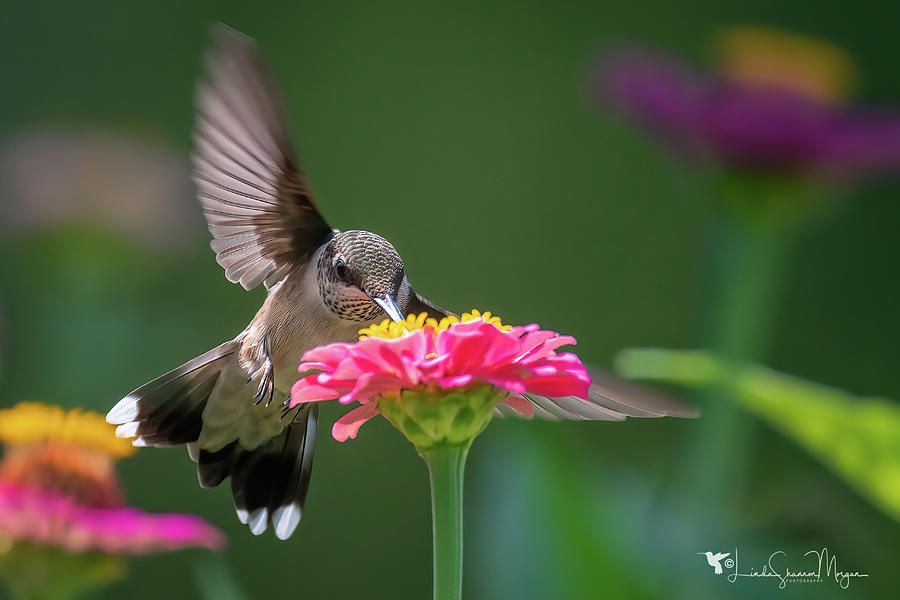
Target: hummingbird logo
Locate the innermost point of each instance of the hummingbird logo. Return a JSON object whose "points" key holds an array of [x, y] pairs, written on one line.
{"points": [[715, 560]]}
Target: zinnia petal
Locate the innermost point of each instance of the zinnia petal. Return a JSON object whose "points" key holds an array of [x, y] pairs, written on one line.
{"points": [[308, 390], [348, 426]]}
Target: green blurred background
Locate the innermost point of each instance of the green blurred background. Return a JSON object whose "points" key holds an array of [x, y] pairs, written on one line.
{"points": [[462, 132]]}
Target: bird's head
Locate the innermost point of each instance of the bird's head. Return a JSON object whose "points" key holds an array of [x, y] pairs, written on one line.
{"points": [[361, 278]]}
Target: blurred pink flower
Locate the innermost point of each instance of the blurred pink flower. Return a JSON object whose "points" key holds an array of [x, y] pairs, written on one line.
{"points": [[747, 124], [516, 360], [136, 188], [50, 519]]}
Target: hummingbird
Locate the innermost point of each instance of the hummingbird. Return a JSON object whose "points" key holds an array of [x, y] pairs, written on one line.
{"points": [[323, 285]]}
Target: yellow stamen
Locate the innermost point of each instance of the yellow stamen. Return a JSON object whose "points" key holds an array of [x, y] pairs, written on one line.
{"points": [[768, 57], [30, 422], [389, 330]]}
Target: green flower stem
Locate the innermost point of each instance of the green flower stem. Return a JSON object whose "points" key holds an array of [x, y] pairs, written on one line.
{"points": [[743, 307], [446, 464], [441, 425]]}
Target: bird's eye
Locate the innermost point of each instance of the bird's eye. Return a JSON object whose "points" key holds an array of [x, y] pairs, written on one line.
{"points": [[341, 270]]}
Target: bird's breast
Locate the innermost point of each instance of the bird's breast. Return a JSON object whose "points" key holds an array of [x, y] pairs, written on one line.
{"points": [[295, 320]]}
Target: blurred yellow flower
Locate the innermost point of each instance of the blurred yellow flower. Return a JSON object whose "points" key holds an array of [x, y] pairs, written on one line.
{"points": [[31, 422], [804, 65]]}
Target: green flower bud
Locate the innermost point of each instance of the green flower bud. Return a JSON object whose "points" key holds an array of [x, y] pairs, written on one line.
{"points": [[433, 417]]}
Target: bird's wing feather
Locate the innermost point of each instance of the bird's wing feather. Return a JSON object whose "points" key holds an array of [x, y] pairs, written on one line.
{"points": [[255, 199], [609, 399], [721, 555], [417, 304], [633, 400]]}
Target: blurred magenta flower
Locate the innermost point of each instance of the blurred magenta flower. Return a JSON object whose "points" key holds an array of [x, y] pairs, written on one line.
{"points": [[69, 452], [63, 519], [50, 519], [440, 357], [773, 121], [773, 109], [58, 487]]}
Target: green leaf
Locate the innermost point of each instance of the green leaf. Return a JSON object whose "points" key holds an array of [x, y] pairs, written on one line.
{"points": [[858, 438]]}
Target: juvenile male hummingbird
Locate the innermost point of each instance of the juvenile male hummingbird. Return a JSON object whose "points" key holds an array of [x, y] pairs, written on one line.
{"points": [[323, 286]]}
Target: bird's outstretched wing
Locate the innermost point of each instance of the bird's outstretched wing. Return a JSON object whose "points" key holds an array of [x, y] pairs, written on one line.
{"points": [[609, 399], [254, 197]]}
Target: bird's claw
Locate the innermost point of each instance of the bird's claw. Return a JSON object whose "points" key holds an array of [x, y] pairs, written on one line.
{"points": [[266, 373], [286, 408], [266, 388]]}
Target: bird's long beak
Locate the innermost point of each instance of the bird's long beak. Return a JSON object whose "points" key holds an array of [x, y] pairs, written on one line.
{"points": [[387, 304]]}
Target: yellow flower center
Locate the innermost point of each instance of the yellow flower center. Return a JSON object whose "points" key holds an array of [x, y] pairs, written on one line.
{"points": [[804, 65], [29, 422], [389, 330]]}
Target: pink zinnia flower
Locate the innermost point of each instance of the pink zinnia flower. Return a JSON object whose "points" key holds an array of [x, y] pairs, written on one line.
{"points": [[421, 354], [51, 519]]}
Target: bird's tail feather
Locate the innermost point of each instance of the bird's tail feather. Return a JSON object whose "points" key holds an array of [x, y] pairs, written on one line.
{"points": [[270, 482], [168, 410]]}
